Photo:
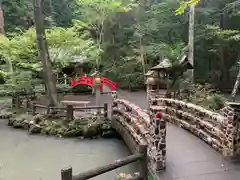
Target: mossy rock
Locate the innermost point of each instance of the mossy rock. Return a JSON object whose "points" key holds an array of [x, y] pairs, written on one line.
{"points": [[34, 129], [73, 133], [22, 117], [106, 126], [92, 130], [26, 125], [11, 121], [37, 119], [109, 134], [17, 124], [5, 114]]}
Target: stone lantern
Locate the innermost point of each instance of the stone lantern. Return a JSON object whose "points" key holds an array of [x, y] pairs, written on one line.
{"points": [[168, 73], [157, 79], [97, 78], [97, 81]]}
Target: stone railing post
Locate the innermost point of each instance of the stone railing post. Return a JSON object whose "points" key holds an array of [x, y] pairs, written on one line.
{"points": [[231, 129], [158, 128], [14, 99]]}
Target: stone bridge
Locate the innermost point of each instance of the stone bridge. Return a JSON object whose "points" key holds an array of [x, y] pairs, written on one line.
{"points": [[219, 130]]}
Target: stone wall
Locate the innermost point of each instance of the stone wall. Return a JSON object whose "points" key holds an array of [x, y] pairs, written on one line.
{"points": [[220, 130], [134, 124]]}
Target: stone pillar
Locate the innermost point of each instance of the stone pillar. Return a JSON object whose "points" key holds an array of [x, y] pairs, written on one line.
{"points": [[148, 97], [231, 129], [158, 143], [98, 97]]}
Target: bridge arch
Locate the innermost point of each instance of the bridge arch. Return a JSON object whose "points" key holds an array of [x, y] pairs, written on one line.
{"points": [[89, 81]]}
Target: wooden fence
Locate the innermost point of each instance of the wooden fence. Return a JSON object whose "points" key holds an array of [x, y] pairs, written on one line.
{"points": [[141, 156], [68, 110]]}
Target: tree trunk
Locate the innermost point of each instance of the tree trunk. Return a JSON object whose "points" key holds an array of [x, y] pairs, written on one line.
{"points": [[1, 19], [235, 88], [43, 52], [191, 37], [142, 59]]}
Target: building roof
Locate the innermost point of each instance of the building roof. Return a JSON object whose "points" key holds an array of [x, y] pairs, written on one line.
{"points": [[149, 73], [165, 64]]}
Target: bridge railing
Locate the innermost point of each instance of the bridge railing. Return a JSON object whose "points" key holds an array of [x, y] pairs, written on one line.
{"points": [[136, 122], [216, 129], [141, 156], [134, 118]]}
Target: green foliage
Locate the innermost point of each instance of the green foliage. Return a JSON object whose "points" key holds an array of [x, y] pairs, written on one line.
{"points": [[206, 96], [215, 102], [20, 57], [66, 47], [124, 38], [95, 14], [184, 4]]}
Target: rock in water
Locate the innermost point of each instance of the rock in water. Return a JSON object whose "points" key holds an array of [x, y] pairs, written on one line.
{"points": [[25, 125], [5, 115], [34, 129], [11, 121], [109, 134], [18, 124], [92, 130]]}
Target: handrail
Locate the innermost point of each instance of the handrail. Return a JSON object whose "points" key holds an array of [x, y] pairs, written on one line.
{"points": [[88, 107], [141, 155]]}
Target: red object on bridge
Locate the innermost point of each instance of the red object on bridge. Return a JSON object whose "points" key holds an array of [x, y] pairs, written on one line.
{"points": [[158, 115], [88, 81]]}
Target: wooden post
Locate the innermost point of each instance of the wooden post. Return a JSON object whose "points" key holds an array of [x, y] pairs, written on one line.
{"points": [[105, 110], [18, 101], [48, 109], [28, 103], [69, 112], [66, 174], [143, 162], [34, 109]]}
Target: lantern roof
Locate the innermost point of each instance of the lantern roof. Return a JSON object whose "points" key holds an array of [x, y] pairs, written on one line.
{"points": [[163, 65], [184, 62], [149, 73], [96, 73]]}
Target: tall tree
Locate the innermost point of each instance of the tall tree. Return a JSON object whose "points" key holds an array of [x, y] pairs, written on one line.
{"points": [[1, 19], [236, 85], [191, 37], [50, 81]]}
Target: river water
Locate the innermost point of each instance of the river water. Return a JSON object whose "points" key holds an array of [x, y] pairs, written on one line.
{"points": [[33, 157], [27, 157]]}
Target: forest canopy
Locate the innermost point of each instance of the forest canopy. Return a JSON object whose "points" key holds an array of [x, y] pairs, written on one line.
{"points": [[125, 37]]}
